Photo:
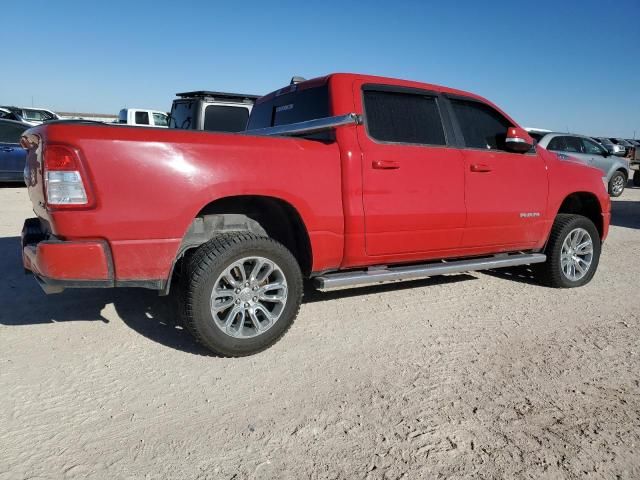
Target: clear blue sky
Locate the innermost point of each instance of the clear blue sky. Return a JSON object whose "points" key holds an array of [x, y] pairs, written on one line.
{"points": [[554, 65]]}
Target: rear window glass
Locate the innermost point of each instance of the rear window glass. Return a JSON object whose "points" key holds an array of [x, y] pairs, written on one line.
{"points": [[10, 133], [224, 118], [183, 115], [292, 107], [403, 118]]}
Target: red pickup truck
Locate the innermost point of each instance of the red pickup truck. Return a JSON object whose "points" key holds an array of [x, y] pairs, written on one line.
{"points": [[345, 179]]}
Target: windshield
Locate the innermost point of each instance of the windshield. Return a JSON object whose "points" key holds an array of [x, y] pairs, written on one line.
{"points": [[183, 115]]}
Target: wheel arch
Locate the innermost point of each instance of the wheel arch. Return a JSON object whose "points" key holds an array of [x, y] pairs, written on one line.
{"points": [[258, 214], [585, 204]]}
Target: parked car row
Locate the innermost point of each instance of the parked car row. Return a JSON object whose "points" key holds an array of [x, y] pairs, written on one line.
{"points": [[31, 116], [616, 157]]}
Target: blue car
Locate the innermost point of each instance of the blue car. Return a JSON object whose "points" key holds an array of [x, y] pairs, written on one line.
{"points": [[12, 155]]}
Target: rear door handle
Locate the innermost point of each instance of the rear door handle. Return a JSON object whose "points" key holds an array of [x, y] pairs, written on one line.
{"points": [[480, 167], [385, 164]]}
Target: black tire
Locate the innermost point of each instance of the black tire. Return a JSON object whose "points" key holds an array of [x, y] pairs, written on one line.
{"points": [[636, 178], [616, 178], [202, 270], [550, 273]]}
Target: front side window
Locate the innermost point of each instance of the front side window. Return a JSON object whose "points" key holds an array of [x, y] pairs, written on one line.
{"points": [[142, 118], [33, 115], [403, 118], [159, 120], [225, 118], [482, 126], [592, 147]]}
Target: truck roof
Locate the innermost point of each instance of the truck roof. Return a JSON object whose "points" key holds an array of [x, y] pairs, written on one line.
{"points": [[217, 95], [348, 79]]}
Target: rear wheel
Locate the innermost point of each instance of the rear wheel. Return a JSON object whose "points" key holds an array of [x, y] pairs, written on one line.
{"points": [[617, 184], [573, 252], [242, 292]]}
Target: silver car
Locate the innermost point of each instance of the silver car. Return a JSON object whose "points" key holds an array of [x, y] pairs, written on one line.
{"points": [[585, 149]]}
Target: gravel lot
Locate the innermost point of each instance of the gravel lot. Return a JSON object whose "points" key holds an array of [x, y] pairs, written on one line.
{"points": [[485, 375]]}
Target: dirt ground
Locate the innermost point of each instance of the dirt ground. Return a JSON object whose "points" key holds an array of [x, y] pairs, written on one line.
{"points": [[485, 375]]}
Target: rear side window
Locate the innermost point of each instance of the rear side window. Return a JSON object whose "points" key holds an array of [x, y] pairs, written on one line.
{"points": [[142, 118], [482, 126], [224, 118], [566, 144], [403, 118], [10, 133]]}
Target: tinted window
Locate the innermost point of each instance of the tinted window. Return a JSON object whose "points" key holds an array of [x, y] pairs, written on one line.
{"points": [[159, 119], [183, 115], [291, 107], [10, 133], [142, 118], [482, 126], [223, 118], [403, 118]]}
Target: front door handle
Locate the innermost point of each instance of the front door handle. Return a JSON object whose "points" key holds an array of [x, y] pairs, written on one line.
{"points": [[480, 167], [385, 164]]}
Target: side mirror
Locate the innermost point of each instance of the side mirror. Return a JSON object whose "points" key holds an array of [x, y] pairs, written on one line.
{"points": [[518, 140]]}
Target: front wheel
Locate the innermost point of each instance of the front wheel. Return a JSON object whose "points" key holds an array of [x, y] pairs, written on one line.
{"points": [[617, 184], [573, 252], [242, 292]]}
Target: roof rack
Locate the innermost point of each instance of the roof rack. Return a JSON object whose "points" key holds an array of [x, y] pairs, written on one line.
{"points": [[218, 95]]}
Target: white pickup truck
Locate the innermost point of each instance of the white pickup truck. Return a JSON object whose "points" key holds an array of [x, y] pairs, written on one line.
{"points": [[143, 117]]}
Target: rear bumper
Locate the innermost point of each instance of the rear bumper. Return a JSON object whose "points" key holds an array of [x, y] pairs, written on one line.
{"points": [[60, 264]]}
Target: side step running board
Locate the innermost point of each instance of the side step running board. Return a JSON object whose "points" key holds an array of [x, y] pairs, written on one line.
{"points": [[355, 278]]}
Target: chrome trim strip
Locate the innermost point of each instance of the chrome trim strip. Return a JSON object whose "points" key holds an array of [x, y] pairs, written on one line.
{"points": [[515, 140], [310, 126], [411, 272]]}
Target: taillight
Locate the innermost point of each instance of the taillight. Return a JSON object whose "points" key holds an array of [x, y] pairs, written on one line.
{"points": [[63, 177]]}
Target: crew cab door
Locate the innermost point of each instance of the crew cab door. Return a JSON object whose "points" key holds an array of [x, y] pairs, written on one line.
{"points": [[600, 158], [413, 183], [506, 193]]}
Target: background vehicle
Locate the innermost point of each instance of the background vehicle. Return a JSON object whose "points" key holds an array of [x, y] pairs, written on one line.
{"points": [[338, 179], [9, 115], [33, 116], [586, 150], [537, 133], [212, 111], [143, 117], [12, 155], [612, 148], [624, 145]]}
